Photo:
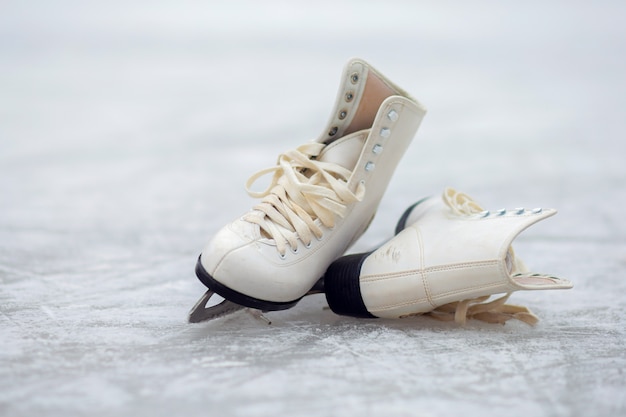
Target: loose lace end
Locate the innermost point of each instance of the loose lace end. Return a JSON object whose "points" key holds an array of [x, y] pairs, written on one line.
{"points": [[495, 311]]}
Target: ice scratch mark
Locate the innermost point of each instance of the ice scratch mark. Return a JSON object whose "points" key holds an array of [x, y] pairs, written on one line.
{"points": [[49, 313], [212, 362]]}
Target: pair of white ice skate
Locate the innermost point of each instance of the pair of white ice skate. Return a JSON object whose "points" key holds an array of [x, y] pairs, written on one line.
{"points": [[447, 257]]}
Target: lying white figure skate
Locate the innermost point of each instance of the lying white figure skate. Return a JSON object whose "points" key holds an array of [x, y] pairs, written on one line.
{"points": [[448, 257], [322, 197]]}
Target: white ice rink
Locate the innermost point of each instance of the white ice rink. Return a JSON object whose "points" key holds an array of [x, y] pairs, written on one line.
{"points": [[127, 131]]}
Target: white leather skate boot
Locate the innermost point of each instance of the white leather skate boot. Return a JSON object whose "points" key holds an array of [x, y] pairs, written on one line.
{"points": [[448, 255], [322, 197]]}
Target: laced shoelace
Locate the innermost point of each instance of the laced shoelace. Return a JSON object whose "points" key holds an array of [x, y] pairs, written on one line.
{"points": [[495, 311], [302, 190]]}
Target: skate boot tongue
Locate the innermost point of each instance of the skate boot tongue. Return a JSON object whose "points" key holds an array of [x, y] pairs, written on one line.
{"points": [[344, 151]]}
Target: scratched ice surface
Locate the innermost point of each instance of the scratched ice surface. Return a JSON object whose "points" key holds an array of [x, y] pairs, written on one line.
{"points": [[127, 130]]}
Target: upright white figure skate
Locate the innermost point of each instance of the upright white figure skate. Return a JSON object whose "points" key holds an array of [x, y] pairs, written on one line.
{"points": [[446, 250], [322, 197]]}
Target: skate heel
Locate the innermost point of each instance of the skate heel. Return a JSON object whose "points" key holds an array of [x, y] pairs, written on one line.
{"points": [[342, 286]]}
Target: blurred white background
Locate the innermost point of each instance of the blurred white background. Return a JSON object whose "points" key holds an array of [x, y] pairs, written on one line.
{"points": [[127, 130]]}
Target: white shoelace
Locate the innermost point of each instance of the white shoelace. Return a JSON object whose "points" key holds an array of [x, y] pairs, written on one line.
{"points": [[302, 190], [460, 203], [495, 311]]}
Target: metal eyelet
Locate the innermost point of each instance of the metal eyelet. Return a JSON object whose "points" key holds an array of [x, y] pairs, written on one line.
{"points": [[333, 131], [392, 115], [377, 149], [342, 114], [354, 78], [369, 166], [385, 132], [349, 96]]}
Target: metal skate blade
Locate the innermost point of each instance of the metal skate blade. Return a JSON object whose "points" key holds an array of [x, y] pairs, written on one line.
{"points": [[200, 312]]}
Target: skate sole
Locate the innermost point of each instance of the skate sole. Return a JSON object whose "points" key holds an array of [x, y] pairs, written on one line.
{"points": [[237, 297]]}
